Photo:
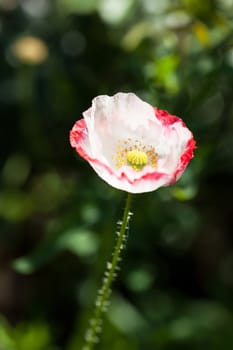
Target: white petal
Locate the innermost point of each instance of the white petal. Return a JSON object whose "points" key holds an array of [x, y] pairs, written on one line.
{"points": [[134, 186], [124, 108], [114, 119], [119, 117], [171, 147]]}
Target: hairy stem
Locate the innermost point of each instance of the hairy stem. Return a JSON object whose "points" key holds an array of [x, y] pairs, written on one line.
{"points": [[102, 300]]}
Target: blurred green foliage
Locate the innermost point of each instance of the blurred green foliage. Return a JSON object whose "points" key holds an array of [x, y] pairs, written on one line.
{"points": [[57, 217]]}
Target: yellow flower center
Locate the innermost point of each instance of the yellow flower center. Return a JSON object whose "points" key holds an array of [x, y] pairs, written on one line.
{"points": [[135, 154], [137, 159]]}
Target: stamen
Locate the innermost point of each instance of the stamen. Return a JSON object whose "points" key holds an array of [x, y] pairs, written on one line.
{"points": [[135, 154]]}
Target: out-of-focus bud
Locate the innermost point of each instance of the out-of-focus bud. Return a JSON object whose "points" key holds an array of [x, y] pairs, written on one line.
{"points": [[30, 50]]}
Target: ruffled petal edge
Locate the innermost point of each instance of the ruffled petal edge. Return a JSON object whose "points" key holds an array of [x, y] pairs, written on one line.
{"points": [[79, 133]]}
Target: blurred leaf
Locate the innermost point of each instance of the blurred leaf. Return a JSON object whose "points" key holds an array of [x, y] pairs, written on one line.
{"points": [[7, 341], [79, 6], [140, 280], [202, 33], [124, 315], [199, 7], [136, 35], [199, 323], [200, 319], [177, 19], [165, 71], [33, 336], [114, 11], [15, 205], [184, 193], [16, 170], [81, 242], [49, 190]]}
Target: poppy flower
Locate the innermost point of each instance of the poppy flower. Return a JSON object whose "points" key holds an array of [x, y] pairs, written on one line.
{"points": [[131, 145]]}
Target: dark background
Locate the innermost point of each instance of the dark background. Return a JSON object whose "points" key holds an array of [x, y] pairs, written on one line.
{"points": [[57, 218]]}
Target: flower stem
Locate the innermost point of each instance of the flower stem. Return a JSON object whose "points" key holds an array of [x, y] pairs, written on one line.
{"points": [[102, 300]]}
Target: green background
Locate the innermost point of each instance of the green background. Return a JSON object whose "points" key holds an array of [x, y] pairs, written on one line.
{"points": [[57, 218]]}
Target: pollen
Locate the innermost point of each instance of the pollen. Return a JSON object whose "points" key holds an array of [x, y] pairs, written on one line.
{"points": [[135, 154], [137, 159]]}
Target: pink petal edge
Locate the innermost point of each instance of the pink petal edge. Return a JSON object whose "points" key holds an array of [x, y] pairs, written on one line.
{"points": [[79, 132], [166, 118]]}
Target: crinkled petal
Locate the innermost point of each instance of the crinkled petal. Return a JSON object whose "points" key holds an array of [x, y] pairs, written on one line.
{"points": [[124, 108], [124, 116], [111, 118]]}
